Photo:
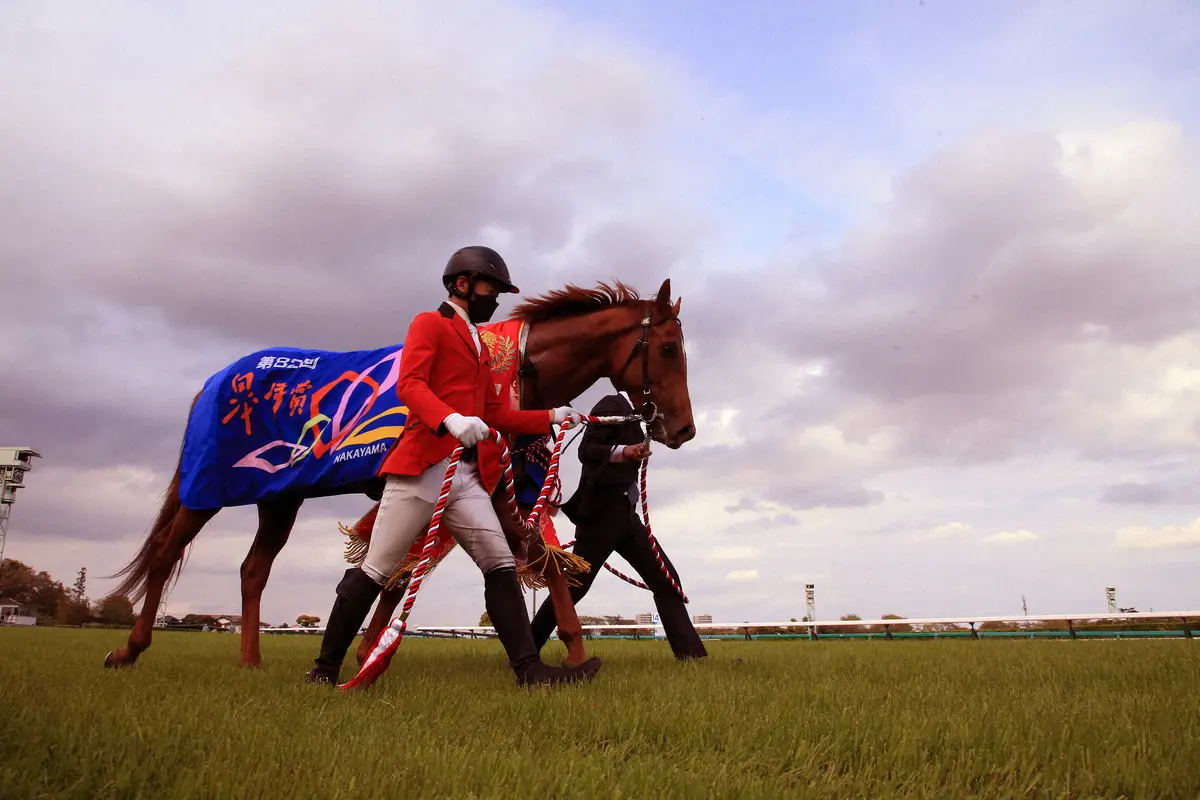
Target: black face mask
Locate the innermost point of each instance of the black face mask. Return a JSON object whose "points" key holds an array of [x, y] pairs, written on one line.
{"points": [[480, 307]]}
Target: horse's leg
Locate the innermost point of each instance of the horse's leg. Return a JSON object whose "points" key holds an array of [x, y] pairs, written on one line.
{"points": [[570, 632], [184, 527], [388, 600], [275, 521]]}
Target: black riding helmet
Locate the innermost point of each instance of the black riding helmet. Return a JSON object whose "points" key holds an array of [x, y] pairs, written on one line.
{"points": [[484, 262]]}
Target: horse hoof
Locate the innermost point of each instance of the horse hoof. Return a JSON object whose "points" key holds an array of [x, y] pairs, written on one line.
{"points": [[114, 660]]}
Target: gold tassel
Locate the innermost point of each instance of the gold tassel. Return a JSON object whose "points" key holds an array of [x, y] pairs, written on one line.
{"points": [[408, 565], [405, 568], [533, 574], [356, 547]]}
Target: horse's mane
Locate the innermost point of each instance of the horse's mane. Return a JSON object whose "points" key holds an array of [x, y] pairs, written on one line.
{"points": [[572, 301]]}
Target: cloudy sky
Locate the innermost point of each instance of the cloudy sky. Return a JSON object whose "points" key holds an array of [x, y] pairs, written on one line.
{"points": [[938, 265]]}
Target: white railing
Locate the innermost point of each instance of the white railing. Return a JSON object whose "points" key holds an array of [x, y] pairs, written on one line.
{"points": [[1185, 617]]}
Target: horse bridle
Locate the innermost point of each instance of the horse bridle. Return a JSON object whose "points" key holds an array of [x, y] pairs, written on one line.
{"points": [[649, 410]]}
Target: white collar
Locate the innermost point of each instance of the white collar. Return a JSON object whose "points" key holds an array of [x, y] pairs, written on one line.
{"points": [[462, 312]]}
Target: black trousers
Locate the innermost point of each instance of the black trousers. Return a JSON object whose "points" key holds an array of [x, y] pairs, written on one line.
{"points": [[616, 528]]}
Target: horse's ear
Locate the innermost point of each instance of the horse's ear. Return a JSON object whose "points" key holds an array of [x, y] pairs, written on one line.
{"points": [[663, 300], [675, 308]]}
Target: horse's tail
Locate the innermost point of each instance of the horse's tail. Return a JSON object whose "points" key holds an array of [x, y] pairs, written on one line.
{"points": [[137, 571]]}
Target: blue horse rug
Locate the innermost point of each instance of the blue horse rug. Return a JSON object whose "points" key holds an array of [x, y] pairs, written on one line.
{"points": [[289, 422], [284, 422]]}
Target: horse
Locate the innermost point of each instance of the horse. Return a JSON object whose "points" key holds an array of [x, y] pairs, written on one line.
{"points": [[572, 338]]}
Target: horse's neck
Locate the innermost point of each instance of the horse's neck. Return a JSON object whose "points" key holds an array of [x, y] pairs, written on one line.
{"points": [[567, 356]]}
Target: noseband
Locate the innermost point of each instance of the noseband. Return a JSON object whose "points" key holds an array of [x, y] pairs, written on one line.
{"points": [[649, 410]]}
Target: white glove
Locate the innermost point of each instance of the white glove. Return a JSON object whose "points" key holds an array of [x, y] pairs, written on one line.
{"points": [[468, 430], [567, 417]]}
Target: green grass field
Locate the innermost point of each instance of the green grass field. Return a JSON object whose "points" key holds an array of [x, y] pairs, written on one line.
{"points": [[758, 719]]}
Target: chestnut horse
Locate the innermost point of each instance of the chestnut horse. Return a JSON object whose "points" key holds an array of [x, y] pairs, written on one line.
{"points": [[575, 338]]}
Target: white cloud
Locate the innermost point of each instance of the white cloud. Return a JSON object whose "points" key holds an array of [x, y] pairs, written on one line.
{"points": [[742, 575], [733, 553], [1011, 537], [1170, 536], [948, 531]]}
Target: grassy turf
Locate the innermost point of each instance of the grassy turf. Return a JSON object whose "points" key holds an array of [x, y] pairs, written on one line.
{"points": [[758, 719]]}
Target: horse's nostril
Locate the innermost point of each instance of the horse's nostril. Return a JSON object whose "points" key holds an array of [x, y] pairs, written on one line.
{"points": [[685, 433]]}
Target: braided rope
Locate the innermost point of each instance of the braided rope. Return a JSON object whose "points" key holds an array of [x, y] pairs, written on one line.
{"points": [[658, 556], [389, 639], [617, 572]]}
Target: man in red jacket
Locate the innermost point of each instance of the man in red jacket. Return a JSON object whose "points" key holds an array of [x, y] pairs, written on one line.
{"points": [[446, 383]]}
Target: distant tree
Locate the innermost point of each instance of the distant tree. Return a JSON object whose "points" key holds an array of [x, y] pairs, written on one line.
{"points": [[71, 612], [34, 590], [307, 620], [81, 585], [846, 628], [115, 610], [996, 625], [902, 627], [485, 621], [614, 619]]}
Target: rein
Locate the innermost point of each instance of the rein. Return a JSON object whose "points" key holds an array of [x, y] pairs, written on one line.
{"points": [[389, 638]]}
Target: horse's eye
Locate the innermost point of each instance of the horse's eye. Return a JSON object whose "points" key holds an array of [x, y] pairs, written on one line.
{"points": [[668, 349]]}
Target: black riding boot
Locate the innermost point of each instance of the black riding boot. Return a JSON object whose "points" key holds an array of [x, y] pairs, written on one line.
{"points": [[506, 607], [355, 594]]}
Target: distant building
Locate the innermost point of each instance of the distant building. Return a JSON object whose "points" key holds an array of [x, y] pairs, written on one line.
{"points": [[645, 619], [702, 619], [11, 613]]}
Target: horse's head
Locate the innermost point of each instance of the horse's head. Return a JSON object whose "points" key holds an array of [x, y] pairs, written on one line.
{"points": [[653, 368]]}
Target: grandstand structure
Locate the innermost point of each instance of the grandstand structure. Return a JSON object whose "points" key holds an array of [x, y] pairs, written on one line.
{"points": [[14, 463]]}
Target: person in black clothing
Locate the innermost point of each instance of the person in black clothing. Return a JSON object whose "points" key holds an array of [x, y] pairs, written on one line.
{"points": [[603, 509]]}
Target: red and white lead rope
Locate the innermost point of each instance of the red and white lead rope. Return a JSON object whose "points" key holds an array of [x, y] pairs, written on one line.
{"points": [[658, 556], [389, 638]]}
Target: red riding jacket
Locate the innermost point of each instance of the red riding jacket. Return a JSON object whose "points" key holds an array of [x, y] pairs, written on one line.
{"points": [[441, 373]]}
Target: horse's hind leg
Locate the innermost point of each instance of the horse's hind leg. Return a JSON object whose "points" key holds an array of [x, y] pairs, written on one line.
{"points": [[388, 600], [275, 521], [184, 526]]}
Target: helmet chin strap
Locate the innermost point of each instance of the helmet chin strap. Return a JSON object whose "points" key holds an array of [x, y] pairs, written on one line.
{"points": [[472, 278]]}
